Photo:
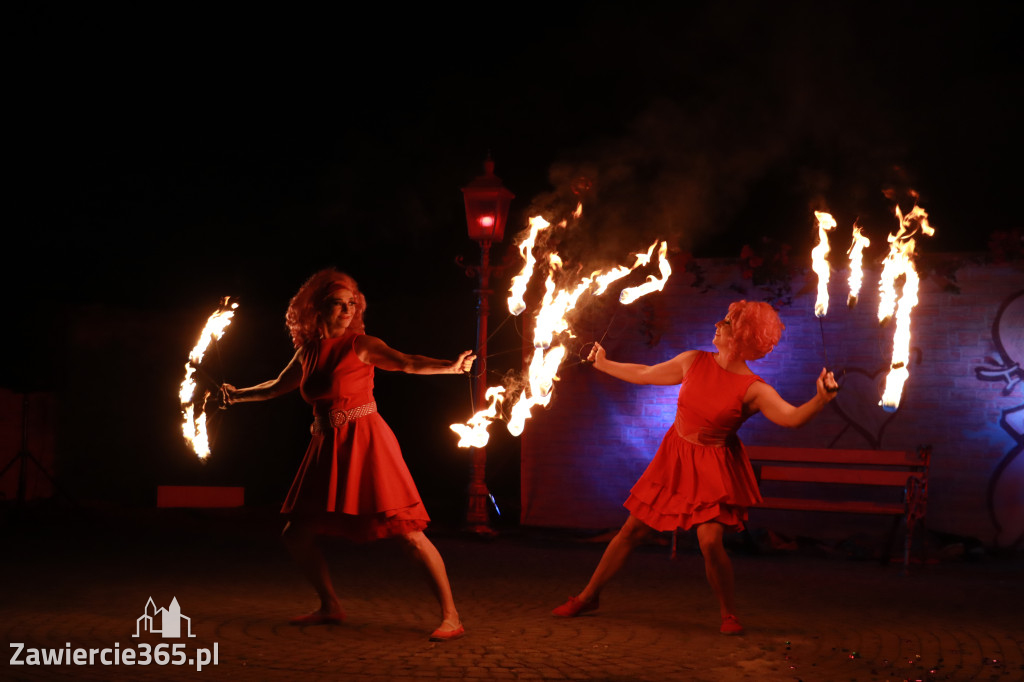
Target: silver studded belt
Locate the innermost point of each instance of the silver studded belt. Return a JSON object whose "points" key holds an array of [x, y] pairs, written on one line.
{"points": [[335, 418]]}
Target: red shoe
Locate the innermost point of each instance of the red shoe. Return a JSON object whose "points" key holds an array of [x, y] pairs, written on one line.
{"points": [[731, 626], [440, 635], [318, 618], [575, 607]]}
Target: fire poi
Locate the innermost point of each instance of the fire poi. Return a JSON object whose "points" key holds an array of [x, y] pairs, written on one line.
{"points": [[551, 328], [819, 263], [856, 253], [194, 425], [900, 263], [819, 260]]}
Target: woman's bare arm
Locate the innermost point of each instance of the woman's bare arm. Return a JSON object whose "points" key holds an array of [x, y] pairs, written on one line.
{"points": [[762, 397], [663, 374], [288, 380], [373, 351]]}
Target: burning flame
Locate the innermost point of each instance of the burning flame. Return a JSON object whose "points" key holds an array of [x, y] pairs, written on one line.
{"points": [[900, 263], [473, 434], [543, 373], [860, 242], [551, 324], [631, 294], [194, 427], [606, 279], [516, 304], [819, 261]]}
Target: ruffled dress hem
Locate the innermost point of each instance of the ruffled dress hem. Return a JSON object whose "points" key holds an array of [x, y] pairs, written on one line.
{"points": [[353, 481], [689, 482], [730, 516]]}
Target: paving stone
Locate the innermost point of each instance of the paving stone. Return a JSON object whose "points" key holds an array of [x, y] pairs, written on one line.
{"points": [[85, 579]]}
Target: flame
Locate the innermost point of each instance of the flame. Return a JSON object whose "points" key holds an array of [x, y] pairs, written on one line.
{"points": [[604, 280], [631, 294], [819, 261], [193, 427], [552, 322], [543, 373], [856, 252], [516, 304], [473, 434], [900, 263], [900, 258], [551, 326]]}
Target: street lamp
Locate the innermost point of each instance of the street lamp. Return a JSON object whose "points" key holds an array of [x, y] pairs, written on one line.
{"points": [[487, 203]]}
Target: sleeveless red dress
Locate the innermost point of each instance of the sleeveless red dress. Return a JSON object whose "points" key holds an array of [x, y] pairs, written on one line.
{"points": [[701, 471], [353, 481]]}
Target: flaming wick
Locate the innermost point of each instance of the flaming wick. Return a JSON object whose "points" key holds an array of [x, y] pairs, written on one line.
{"points": [[193, 427], [819, 261], [900, 263], [516, 303], [856, 253]]}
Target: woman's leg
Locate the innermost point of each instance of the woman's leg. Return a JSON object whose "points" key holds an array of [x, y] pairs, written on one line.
{"points": [[632, 534], [301, 541], [426, 554], [717, 565]]}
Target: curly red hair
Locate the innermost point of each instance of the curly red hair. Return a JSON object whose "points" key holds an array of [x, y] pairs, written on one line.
{"points": [[756, 328], [303, 315]]}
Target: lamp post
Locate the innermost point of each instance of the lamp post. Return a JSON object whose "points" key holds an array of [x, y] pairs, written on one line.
{"points": [[487, 203]]}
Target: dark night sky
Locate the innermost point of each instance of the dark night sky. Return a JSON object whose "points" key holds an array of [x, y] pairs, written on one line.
{"points": [[163, 160], [255, 135]]}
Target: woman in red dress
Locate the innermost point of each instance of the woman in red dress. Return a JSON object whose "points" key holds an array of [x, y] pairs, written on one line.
{"points": [[353, 481], [701, 477]]}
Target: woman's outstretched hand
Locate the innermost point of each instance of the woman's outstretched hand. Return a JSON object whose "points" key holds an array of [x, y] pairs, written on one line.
{"points": [[226, 396], [597, 353], [826, 384], [464, 363]]}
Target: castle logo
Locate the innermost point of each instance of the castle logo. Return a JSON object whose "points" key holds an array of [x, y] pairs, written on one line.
{"points": [[166, 622]]}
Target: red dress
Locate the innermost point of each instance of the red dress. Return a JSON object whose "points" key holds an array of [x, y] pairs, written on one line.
{"points": [[353, 481], [701, 471]]}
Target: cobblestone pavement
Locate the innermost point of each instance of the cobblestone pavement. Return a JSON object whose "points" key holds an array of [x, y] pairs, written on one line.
{"points": [[82, 582]]}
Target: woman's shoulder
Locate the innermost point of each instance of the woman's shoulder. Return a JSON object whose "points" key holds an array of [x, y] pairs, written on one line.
{"points": [[365, 346], [361, 340], [689, 358]]}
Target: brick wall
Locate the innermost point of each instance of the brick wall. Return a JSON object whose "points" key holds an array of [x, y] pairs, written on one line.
{"points": [[582, 454]]}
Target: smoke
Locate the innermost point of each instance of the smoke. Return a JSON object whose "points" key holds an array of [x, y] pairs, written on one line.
{"points": [[749, 120], [678, 175]]}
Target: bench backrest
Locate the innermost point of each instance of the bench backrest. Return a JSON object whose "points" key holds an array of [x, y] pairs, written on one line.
{"points": [[828, 465]]}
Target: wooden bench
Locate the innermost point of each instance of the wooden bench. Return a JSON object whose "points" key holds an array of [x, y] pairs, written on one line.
{"points": [[832, 480]]}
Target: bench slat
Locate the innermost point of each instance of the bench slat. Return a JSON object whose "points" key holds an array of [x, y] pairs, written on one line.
{"points": [[824, 475], [854, 507], [834, 456]]}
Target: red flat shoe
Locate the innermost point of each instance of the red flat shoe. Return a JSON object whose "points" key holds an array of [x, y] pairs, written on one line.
{"points": [[318, 618], [439, 635], [575, 607], [731, 626]]}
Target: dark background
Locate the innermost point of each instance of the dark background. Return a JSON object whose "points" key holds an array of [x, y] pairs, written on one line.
{"points": [[160, 159]]}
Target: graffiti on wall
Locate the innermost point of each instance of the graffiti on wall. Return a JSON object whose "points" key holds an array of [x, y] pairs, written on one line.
{"points": [[1006, 485], [858, 402]]}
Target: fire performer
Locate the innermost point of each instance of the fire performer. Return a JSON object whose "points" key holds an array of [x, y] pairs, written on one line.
{"points": [[353, 481], [700, 476]]}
